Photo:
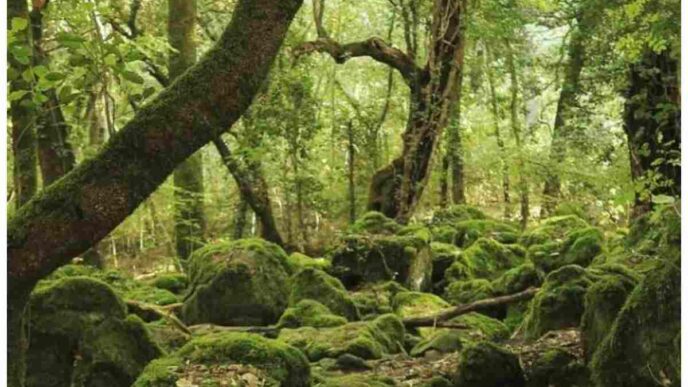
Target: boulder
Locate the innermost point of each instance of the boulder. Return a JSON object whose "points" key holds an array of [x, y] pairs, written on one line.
{"points": [[480, 327], [298, 262], [485, 258], [552, 229], [229, 358], [313, 284], [172, 282], [468, 231], [417, 304], [80, 334], [242, 282], [517, 279], [374, 222], [465, 292], [443, 256], [309, 313], [487, 365], [558, 368], [579, 247], [456, 213], [376, 299]]}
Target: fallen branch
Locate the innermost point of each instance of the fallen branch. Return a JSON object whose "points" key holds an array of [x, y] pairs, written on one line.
{"points": [[150, 312], [447, 314], [207, 328]]}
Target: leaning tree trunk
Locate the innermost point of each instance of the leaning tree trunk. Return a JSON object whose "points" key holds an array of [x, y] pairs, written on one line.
{"points": [[76, 212], [652, 122], [21, 115], [188, 177]]}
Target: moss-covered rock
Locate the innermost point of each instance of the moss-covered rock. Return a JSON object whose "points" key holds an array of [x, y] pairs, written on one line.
{"points": [[486, 258], [298, 262], [468, 231], [166, 335], [173, 282], [558, 368], [517, 279], [551, 229], [242, 282], [457, 213], [376, 299], [417, 304], [374, 222], [309, 313], [443, 256], [465, 292], [641, 347], [406, 259], [80, 334], [480, 327], [367, 340], [207, 361], [559, 303], [487, 365], [579, 247], [353, 380], [319, 286]]}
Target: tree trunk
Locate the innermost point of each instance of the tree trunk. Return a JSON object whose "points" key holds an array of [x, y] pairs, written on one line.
{"points": [[254, 191], [444, 174], [240, 215], [21, 114], [76, 212], [351, 174], [188, 177], [652, 122]]}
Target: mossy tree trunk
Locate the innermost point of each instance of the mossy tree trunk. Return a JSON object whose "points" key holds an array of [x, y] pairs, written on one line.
{"points": [[351, 174], [188, 177], [240, 219], [652, 122], [21, 113], [77, 211]]}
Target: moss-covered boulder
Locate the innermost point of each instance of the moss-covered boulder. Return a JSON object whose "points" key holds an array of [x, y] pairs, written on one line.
{"points": [[603, 301], [173, 282], [374, 222], [465, 292], [643, 345], [309, 313], [468, 231], [443, 256], [487, 365], [224, 358], [298, 262], [353, 380], [376, 299], [167, 335], [367, 340], [313, 284], [558, 368], [417, 304], [457, 213], [559, 303], [517, 279], [551, 229], [579, 247], [479, 327], [406, 259], [80, 334], [242, 282], [486, 258]]}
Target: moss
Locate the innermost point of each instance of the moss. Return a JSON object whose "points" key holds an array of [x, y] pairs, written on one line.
{"points": [[572, 208], [166, 336], [579, 247], [559, 303], [317, 285], [487, 365], [298, 262], [437, 381], [444, 233], [557, 367], [552, 229], [417, 304], [353, 380], [457, 213], [309, 313], [468, 231], [376, 299], [517, 279], [368, 259], [486, 258], [480, 327], [641, 344], [242, 282], [173, 282], [443, 255], [283, 365], [367, 340], [80, 333], [374, 222], [465, 292]]}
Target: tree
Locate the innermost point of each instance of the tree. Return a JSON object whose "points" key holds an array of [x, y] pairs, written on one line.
{"points": [[73, 214], [396, 189]]}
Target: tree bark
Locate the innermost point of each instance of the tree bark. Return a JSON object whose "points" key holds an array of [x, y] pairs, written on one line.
{"points": [[652, 122], [240, 215], [351, 173], [21, 114], [77, 211], [188, 177]]}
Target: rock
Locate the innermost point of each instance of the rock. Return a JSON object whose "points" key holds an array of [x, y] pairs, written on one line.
{"points": [[242, 282], [298, 262], [579, 247], [437, 381], [485, 258], [517, 279], [457, 213], [317, 285], [167, 336], [417, 304], [309, 313], [353, 380], [558, 368], [465, 292], [374, 222], [643, 346], [552, 229], [376, 299], [349, 362], [487, 365], [80, 333], [172, 282], [468, 231], [443, 255], [367, 340], [224, 358], [443, 340]]}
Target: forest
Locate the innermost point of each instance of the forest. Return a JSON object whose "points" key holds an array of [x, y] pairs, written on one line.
{"points": [[336, 193]]}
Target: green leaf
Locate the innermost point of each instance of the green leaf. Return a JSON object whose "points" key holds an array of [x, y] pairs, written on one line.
{"points": [[110, 60], [19, 23], [663, 199], [132, 77], [17, 95], [54, 76]]}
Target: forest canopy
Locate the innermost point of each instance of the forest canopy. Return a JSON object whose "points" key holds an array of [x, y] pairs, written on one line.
{"points": [[346, 188]]}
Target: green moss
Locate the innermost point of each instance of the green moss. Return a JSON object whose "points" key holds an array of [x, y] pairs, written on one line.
{"points": [[642, 341], [443, 255], [309, 313], [487, 365], [559, 303], [173, 282], [416, 304], [283, 365], [557, 367], [298, 262], [166, 336], [480, 327], [517, 279], [437, 381], [579, 247], [376, 299], [242, 282], [465, 292], [444, 233], [468, 231], [317, 285], [554, 228], [486, 258], [367, 340], [353, 380], [457, 213], [572, 208], [374, 222]]}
